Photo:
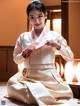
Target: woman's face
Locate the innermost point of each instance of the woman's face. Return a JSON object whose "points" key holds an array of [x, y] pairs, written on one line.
{"points": [[37, 19]]}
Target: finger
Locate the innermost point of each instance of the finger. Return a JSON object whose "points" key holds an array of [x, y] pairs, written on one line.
{"points": [[31, 47], [28, 54], [29, 50], [47, 41]]}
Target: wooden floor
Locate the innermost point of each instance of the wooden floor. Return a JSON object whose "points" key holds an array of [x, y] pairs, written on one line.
{"points": [[8, 102]]}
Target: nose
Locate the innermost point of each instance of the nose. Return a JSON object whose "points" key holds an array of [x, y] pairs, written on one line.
{"points": [[37, 20]]}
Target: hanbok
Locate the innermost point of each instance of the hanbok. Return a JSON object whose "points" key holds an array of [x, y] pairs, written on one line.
{"points": [[39, 82]]}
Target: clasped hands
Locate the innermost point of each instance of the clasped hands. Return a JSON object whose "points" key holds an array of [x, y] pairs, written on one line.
{"points": [[53, 44], [31, 48], [28, 51]]}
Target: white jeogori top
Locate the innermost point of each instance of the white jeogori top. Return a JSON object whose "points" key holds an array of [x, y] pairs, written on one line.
{"points": [[43, 55]]}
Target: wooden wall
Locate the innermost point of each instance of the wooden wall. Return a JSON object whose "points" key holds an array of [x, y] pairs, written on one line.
{"points": [[7, 65]]}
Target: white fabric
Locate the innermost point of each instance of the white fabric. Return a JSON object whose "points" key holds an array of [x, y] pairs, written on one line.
{"points": [[39, 83], [26, 39]]}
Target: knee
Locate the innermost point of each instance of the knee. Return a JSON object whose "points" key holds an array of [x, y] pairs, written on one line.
{"points": [[21, 93], [13, 80], [10, 85]]}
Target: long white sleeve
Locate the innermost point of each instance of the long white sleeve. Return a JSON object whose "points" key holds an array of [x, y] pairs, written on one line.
{"points": [[65, 50], [22, 43], [17, 54]]}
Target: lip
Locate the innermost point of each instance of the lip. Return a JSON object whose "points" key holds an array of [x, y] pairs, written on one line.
{"points": [[37, 24]]}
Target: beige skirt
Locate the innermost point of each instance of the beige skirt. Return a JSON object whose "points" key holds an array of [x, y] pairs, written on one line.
{"points": [[38, 86]]}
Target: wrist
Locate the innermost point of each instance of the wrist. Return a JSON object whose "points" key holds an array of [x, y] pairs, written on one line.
{"points": [[24, 55], [58, 47]]}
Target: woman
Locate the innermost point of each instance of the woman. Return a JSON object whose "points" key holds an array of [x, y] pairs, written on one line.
{"points": [[39, 82]]}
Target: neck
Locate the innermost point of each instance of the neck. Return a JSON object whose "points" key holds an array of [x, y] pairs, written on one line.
{"points": [[38, 31]]}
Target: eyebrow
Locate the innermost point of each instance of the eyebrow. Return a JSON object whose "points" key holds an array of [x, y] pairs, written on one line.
{"points": [[37, 14]]}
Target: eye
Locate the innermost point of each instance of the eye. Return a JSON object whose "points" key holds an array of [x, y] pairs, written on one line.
{"points": [[31, 17], [40, 16]]}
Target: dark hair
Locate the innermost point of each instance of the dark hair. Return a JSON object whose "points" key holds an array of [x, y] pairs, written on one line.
{"points": [[36, 5]]}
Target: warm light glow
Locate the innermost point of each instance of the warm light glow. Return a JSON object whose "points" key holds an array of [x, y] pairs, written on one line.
{"points": [[62, 70], [57, 25], [78, 72], [69, 72], [48, 24], [57, 67], [57, 52], [21, 66], [58, 10]]}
